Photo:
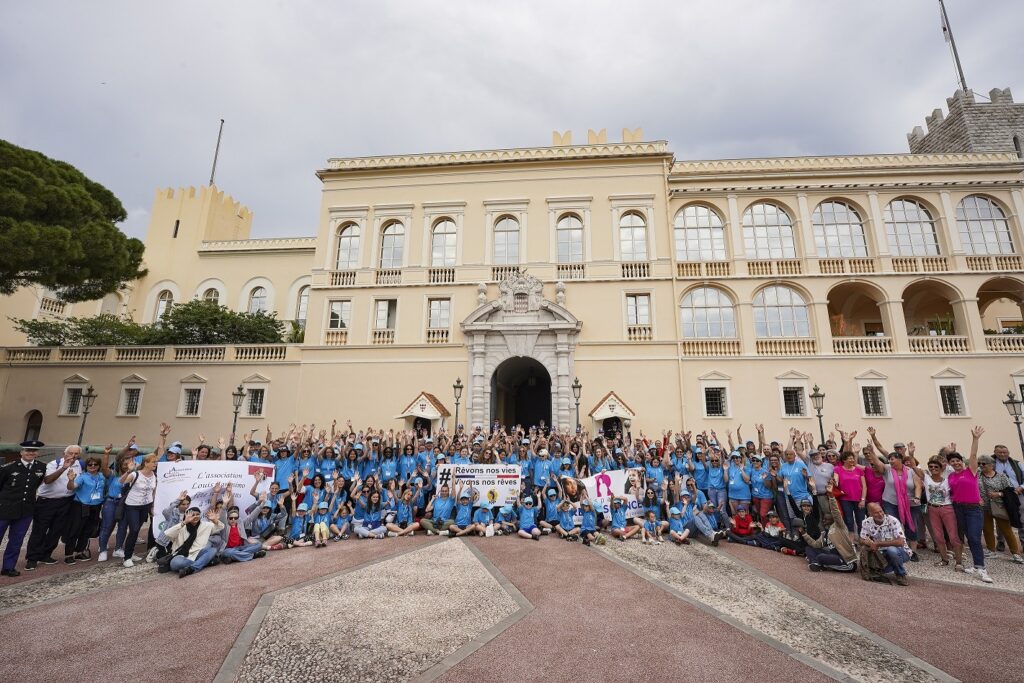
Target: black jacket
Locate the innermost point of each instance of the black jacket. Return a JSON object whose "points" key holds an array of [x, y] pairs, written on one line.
{"points": [[18, 486]]}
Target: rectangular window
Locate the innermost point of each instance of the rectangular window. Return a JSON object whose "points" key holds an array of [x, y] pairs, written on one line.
{"points": [[254, 402], [191, 400], [340, 315], [72, 401], [385, 314], [638, 309], [440, 314], [793, 401], [176, 224], [874, 401], [952, 400], [714, 402], [130, 397]]}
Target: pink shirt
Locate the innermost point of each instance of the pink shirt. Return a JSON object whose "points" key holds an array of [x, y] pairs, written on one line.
{"points": [[963, 487], [876, 485], [849, 482]]}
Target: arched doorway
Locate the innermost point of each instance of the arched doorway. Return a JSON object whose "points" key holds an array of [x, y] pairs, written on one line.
{"points": [[33, 425], [521, 393]]}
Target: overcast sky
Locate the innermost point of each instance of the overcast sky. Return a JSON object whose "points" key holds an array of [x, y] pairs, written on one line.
{"points": [[131, 92]]}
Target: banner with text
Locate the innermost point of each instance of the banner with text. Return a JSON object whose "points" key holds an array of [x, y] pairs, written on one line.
{"points": [[495, 484], [197, 479], [627, 483]]}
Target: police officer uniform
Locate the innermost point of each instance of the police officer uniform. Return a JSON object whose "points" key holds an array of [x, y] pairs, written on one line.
{"points": [[19, 481]]}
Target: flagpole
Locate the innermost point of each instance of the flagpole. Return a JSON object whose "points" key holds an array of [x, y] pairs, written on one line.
{"points": [[952, 44], [216, 152]]}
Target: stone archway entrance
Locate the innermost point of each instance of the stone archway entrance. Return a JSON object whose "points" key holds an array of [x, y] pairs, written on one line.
{"points": [[521, 393], [529, 332]]}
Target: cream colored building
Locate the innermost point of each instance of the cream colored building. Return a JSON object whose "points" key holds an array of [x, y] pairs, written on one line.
{"points": [[694, 294]]}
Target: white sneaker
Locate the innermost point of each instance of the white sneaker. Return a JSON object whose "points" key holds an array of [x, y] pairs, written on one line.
{"points": [[136, 558], [128, 563], [431, 533], [545, 531], [102, 557], [989, 553], [970, 570], [657, 543], [983, 575], [443, 533], [392, 534], [119, 553], [151, 555], [411, 533], [1018, 559]]}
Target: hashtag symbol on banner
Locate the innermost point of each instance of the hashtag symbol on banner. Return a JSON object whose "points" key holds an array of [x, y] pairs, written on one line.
{"points": [[444, 478]]}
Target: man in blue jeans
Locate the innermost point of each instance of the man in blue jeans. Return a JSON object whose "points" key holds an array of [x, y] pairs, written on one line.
{"points": [[190, 541], [884, 533]]}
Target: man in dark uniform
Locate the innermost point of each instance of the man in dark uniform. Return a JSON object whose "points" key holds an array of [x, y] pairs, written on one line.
{"points": [[18, 483]]}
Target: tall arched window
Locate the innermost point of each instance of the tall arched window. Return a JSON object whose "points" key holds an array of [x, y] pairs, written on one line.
{"points": [[506, 241], [983, 226], [258, 300], [780, 311], [302, 305], [212, 295], [910, 229], [633, 237], [348, 247], [164, 301], [839, 231], [569, 231], [442, 242], [707, 312], [391, 245], [768, 232], [700, 235]]}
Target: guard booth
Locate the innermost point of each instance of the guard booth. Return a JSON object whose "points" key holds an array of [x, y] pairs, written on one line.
{"points": [[425, 412]]}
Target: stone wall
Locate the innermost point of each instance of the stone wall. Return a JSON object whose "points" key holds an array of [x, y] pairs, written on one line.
{"points": [[971, 126]]}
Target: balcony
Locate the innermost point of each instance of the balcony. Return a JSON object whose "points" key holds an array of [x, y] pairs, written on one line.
{"points": [[698, 269], [139, 354], [939, 344], [389, 276], [571, 271], [336, 338], [787, 347], [198, 354], [639, 333], [383, 337], [261, 352], [785, 267], [48, 306], [437, 336], [343, 278], [710, 348], [500, 273], [72, 354], [841, 266], [441, 276], [990, 263], [923, 264], [1004, 343], [245, 353], [636, 271], [861, 346]]}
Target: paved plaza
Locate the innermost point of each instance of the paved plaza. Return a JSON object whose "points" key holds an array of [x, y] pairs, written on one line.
{"points": [[430, 608]]}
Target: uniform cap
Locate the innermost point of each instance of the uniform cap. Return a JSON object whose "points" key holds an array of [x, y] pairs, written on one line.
{"points": [[31, 445]]}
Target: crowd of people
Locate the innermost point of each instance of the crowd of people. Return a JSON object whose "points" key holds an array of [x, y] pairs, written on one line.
{"points": [[840, 505]]}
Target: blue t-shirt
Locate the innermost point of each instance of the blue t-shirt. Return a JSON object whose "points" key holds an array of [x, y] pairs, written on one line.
{"points": [[347, 470], [758, 488], [298, 529], [342, 520], [651, 526], [483, 516], [676, 524], [527, 517], [388, 469], [443, 508], [463, 513], [541, 471], [283, 469], [114, 487], [406, 466], [89, 488], [654, 474], [328, 468], [793, 473], [738, 488], [403, 512], [619, 517], [551, 509], [589, 520], [700, 475], [716, 477], [504, 518], [565, 519], [322, 516]]}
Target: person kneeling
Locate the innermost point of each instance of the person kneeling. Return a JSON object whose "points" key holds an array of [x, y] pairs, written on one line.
{"points": [[884, 533], [190, 541], [832, 548]]}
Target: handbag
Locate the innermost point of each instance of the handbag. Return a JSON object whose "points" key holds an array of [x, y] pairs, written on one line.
{"points": [[998, 509], [125, 490]]}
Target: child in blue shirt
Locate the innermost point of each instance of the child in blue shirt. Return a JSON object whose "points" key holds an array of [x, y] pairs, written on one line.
{"points": [[565, 526], [551, 504], [321, 519], [463, 523], [341, 526], [506, 520], [405, 523], [651, 529], [621, 529], [588, 523], [528, 520], [297, 529], [677, 531], [482, 519]]}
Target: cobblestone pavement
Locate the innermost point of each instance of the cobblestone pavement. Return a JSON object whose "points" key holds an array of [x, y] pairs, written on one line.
{"points": [[1006, 574], [716, 580], [97, 576], [385, 622]]}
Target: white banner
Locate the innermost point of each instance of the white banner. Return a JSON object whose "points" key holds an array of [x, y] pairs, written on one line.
{"points": [[197, 479], [600, 487], [495, 484]]}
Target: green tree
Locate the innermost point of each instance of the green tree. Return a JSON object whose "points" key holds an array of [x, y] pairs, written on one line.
{"points": [[58, 229]]}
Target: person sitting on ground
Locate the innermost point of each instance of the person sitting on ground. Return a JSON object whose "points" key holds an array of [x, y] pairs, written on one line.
{"points": [[566, 526], [528, 519], [321, 518], [190, 541], [262, 523], [438, 515], [482, 519], [371, 525], [651, 533], [173, 514], [506, 521], [743, 527], [832, 548], [678, 532], [239, 548], [405, 523], [463, 523], [770, 535], [588, 522], [551, 505], [621, 529], [884, 533], [711, 523], [298, 534], [341, 525]]}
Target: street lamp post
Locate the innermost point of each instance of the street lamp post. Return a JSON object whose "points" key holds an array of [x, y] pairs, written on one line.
{"points": [[237, 396], [457, 388], [88, 398], [1013, 407], [577, 388], [818, 402]]}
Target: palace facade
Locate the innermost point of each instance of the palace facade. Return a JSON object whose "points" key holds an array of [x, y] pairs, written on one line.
{"points": [[695, 294]]}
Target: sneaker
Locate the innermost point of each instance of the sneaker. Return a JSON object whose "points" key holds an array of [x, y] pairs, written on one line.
{"points": [[48, 560], [657, 543], [69, 559], [186, 571], [335, 538], [83, 556], [431, 532], [815, 567], [545, 531], [226, 560], [902, 580], [259, 553], [128, 563], [151, 555], [914, 557], [30, 565], [344, 537], [968, 570], [392, 534], [444, 533], [1018, 559], [102, 557], [119, 553], [586, 542], [411, 533], [621, 539], [135, 558], [685, 541], [989, 553], [983, 575]]}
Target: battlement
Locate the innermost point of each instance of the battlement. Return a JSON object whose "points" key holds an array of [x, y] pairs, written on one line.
{"points": [[972, 126], [191, 214], [218, 199]]}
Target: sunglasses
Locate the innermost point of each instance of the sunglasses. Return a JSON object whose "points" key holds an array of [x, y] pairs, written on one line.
{"points": [[934, 467], [233, 517], [93, 464]]}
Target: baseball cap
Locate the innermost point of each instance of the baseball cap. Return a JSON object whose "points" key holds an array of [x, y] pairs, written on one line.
{"points": [[566, 461], [506, 509], [323, 505], [585, 501], [174, 449], [899, 444], [528, 501], [525, 442], [303, 507], [685, 494], [673, 511]]}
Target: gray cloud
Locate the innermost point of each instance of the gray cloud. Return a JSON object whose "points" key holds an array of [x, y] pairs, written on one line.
{"points": [[131, 92]]}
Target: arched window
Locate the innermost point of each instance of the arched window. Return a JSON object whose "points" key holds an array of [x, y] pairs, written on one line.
{"points": [[164, 301], [33, 426], [707, 312], [910, 229], [768, 232], [983, 226], [1018, 146], [700, 235], [506, 241], [780, 311], [301, 305], [392, 244], [348, 247], [212, 295], [570, 239], [633, 237], [442, 252], [839, 231], [258, 300]]}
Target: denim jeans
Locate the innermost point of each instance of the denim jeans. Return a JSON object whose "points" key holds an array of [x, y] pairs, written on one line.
{"points": [[135, 516], [894, 511], [853, 514], [895, 557], [107, 526], [242, 553], [970, 521], [717, 497], [202, 559]]}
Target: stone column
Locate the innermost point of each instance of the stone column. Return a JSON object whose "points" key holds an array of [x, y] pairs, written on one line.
{"points": [[879, 233], [745, 328], [560, 416], [892, 312], [806, 228], [952, 232], [735, 228], [822, 328], [476, 406], [968, 315]]}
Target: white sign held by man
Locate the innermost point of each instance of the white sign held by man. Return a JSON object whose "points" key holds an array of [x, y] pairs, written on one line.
{"points": [[494, 484], [197, 478]]}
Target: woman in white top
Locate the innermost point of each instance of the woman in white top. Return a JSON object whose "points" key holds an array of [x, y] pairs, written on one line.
{"points": [[139, 502], [941, 517]]}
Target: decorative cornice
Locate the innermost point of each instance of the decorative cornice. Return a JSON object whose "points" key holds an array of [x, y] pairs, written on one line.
{"points": [[490, 156], [880, 162], [272, 244]]}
